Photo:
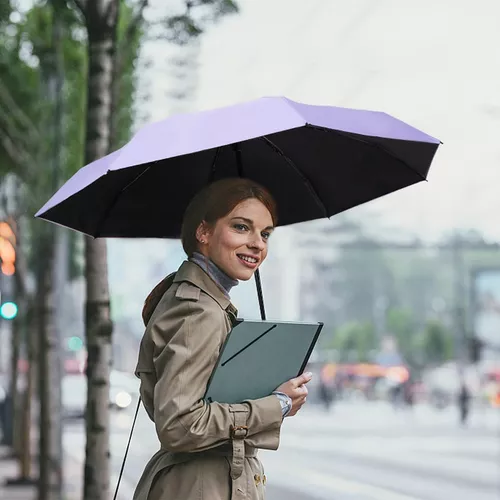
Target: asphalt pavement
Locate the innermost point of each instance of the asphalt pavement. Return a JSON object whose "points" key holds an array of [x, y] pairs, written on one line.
{"points": [[361, 451]]}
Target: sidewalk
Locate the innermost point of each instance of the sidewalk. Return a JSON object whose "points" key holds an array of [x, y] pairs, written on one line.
{"points": [[9, 470]]}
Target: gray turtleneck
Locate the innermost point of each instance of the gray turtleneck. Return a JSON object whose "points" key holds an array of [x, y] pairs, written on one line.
{"points": [[225, 282]]}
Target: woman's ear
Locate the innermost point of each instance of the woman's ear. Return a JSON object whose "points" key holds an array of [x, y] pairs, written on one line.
{"points": [[202, 233]]}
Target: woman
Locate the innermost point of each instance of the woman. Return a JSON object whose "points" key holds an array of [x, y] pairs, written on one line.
{"points": [[208, 451]]}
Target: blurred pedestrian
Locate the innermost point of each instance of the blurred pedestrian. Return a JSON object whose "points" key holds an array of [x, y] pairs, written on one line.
{"points": [[327, 386], [409, 394], [396, 395], [464, 398], [208, 450]]}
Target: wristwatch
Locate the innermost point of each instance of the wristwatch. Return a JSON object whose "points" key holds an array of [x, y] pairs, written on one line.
{"points": [[285, 402]]}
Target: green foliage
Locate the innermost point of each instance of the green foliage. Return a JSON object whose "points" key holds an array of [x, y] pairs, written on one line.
{"points": [[19, 102], [435, 343], [27, 59], [5, 11], [400, 323], [199, 15], [76, 265], [129, 36], [354, 341]]}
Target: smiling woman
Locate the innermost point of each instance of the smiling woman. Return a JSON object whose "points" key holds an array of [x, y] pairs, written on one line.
{"points": [[208, 450]]}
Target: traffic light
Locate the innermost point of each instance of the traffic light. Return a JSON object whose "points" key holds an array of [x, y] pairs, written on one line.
{"points": [[75, 343], [7, 247], [8, 310]]}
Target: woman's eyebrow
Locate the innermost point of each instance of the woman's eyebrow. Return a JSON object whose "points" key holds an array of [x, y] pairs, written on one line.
{"points": [[244, 219]]}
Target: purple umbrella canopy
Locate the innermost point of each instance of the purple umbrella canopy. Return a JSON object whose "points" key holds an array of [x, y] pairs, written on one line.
{"points": [[317, 161]]}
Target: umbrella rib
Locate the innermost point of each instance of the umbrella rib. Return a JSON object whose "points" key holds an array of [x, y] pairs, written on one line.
{"points": [[378, 146], [307, 182], [115, 200], [211, 177]]}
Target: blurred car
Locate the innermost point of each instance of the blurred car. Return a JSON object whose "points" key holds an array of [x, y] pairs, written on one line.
{"points": [[123, 392], [124, 389], [74, 396]]}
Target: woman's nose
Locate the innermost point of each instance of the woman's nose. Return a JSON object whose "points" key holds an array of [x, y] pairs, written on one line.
{"points": [[257, 242]]}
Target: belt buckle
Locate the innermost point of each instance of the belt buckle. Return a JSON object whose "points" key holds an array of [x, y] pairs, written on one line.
{"points": [[239, 432]]}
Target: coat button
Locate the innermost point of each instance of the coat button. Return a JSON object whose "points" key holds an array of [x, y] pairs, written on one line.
{"points": [[257, 479], [264, 479]]}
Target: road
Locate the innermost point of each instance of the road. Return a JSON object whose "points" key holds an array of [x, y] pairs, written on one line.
{"points": [[361, 451]]}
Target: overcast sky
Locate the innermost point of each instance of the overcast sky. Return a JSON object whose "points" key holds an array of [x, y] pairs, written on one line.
{"points": [[434, 64]]}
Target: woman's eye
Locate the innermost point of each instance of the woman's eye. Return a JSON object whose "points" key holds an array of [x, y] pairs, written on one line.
{"points": [[241, 227], [266, 235]]}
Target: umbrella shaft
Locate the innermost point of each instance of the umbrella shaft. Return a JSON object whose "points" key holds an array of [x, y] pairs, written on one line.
{"points": [[260, 295], [239, 165]]}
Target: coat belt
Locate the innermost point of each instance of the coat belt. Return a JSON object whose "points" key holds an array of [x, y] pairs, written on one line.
{"points": [[224, 450]]}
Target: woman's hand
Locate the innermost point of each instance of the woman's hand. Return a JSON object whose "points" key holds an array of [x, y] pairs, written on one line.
{"points": [[296, 389]]}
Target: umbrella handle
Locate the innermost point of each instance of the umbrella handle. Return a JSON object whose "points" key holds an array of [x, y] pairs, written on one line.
{"points": [[260, 295]]}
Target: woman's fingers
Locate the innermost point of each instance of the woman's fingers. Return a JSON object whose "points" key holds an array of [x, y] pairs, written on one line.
{"points": [[301, 379], [297, 390], [302, 391]]}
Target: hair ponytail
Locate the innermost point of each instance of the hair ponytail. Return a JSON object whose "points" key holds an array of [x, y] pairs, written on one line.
{"points": [[155, 296]]}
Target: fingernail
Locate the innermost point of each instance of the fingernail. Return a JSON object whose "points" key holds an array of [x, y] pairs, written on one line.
{"points": [[309, 374]]}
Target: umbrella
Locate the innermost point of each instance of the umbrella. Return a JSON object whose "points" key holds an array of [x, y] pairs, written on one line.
{"points": [[317, 161]]}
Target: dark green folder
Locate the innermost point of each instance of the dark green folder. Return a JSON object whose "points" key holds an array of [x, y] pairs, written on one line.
{"points": [[258, 356]]}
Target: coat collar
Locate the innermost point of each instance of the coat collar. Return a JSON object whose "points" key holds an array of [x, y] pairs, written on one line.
{"points": [[194, 274]]}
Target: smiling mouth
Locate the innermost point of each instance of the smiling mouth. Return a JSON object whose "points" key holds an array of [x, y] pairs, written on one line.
{"points": [[247, 259]]}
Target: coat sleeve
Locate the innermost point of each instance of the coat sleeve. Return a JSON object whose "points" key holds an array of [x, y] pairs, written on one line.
{"points": [[187, 338]]}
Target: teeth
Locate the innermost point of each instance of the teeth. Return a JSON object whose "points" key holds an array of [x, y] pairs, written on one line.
{"points": [[248, 259]]}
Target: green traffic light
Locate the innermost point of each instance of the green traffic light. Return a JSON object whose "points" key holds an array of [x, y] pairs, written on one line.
{"points": [[8, 310], [75, 343]]}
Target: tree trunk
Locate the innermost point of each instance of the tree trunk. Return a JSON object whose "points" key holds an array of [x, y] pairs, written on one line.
{"points": [[101, 17], [22, 334], [50, 353], [98, 331], [18, 332], [32, 354], [15, 348], [50, 482], [115, 99]]}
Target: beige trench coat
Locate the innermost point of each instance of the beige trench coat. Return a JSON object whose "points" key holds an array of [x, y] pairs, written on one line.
{"points": [[207, 451]]}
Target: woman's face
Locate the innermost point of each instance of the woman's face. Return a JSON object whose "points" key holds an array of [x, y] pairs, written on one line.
{"points": [[238, 242]]}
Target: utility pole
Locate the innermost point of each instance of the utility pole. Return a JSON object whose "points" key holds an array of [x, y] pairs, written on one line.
{"points": [[459, 301]]}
